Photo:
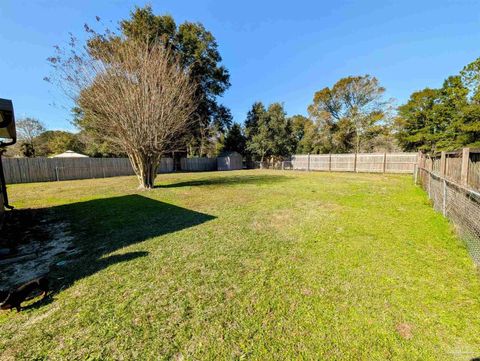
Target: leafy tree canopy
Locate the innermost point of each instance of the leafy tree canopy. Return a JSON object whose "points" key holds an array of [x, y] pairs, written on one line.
{"points": [[347, 113], [53, 142], [269, 132], [442, 119]]}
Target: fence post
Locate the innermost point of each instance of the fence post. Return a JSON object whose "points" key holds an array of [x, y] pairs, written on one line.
{"points": [[308, 162], [56, 173], [385, 162], [443, 162], [415, 174], [330, 162], [421, 159], [429, 185], [355, 163], [444, 203], [465, 163]]}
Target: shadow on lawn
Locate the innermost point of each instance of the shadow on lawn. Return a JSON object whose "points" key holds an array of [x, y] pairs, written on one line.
{"points": [[240, 179], [103, 226]]}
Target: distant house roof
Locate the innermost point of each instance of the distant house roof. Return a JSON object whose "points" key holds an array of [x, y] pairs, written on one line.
{"points": [[70, 154]]}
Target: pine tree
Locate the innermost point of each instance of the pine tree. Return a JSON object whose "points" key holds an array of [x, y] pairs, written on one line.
{"points": [[235, 140], [270, 132]]}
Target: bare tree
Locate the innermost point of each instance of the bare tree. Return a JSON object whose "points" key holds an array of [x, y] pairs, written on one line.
{"points": [[136, 95], [28, 129]]}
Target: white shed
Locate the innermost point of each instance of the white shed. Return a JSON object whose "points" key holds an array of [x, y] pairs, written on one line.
{"points": [[229, 161]]}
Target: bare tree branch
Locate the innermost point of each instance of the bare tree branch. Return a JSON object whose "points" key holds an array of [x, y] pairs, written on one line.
{"points": [[137, 96]]}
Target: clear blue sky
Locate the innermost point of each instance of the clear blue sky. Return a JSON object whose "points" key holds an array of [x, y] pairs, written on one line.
{"points": [[275, 50]]}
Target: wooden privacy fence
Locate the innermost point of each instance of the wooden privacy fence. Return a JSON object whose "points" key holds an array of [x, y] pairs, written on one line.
{"points": [[361, 162], [28, 170], [198, 164], [462, 166]]}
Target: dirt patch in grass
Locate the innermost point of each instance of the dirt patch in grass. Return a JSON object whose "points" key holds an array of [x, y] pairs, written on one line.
{"points": [[405, 330]]}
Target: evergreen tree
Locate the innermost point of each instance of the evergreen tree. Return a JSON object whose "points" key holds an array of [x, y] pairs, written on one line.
{"points": [[27, 150], [282, 142], [302, 134], [251, 125], [253, 119], [270, 132], [442, 119], [448, 114], [415, 121], [235, 140]]}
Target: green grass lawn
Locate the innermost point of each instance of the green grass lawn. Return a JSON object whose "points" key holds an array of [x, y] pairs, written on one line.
{"points": [[254, 265]]}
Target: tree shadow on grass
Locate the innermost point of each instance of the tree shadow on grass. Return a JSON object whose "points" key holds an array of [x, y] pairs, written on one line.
{"points": [[227, 180], [102, 226]]}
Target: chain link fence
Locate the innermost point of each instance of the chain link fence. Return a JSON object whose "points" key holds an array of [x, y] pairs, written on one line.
{"points": [[458, 203]]}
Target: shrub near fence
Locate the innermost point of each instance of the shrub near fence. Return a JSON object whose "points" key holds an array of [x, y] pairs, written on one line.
{"points": [[452, 183], [28, 170], [361, 162]]}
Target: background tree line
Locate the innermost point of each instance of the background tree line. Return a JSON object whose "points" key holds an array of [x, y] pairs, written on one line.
{"points": [[350, 116], [34, 140], [354, 116], [447, 118]]}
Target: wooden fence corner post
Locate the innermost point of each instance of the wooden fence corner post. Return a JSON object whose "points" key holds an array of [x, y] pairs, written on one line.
{"points": [[384, 162], [308, 162], [421, 159], [330, 162], [443, 162], [465, 163], [355, 163]]}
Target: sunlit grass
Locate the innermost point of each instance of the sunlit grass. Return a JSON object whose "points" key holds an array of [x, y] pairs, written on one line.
{"points": [[258, 265]]}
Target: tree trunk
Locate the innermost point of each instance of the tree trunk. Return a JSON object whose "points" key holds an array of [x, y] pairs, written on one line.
{"points": [[145, 167], [357, 143], [200, 152], [261, 162]]}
